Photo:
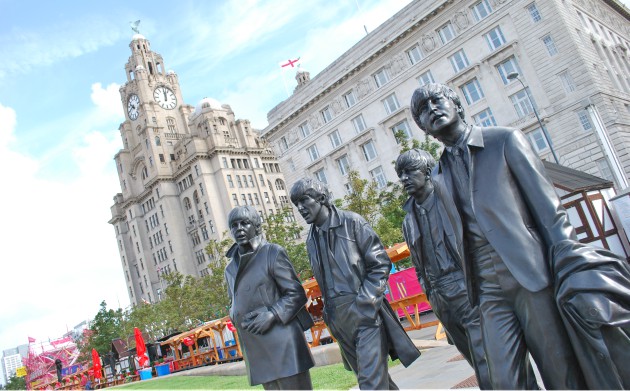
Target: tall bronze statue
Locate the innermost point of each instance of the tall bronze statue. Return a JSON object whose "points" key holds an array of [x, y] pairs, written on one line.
{"points": [[538, 288], [268, 307], [436, 247], [352, 268], [511, 217]]}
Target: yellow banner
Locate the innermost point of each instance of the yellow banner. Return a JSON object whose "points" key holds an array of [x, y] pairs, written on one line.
{"points": [[20, 372]]}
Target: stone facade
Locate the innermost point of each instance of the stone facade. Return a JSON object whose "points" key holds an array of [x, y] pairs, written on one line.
{"points": [[571, 55], [181, 170]]}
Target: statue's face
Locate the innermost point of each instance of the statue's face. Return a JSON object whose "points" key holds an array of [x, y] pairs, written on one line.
{"points": [[413, 180], [242, 230], [309, 208], [438, 116]]}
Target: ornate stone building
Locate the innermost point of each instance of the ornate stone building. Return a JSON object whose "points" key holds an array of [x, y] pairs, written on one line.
{"points": [[181, 170], [570, 55]]}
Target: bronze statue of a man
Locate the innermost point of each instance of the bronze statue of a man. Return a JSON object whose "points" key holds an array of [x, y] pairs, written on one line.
{"points": [[352, 268], [436, 247], [267, 307], [511, 217]]}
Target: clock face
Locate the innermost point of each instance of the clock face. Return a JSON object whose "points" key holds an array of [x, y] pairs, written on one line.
{"points": [[133, 106], [165, 98]]}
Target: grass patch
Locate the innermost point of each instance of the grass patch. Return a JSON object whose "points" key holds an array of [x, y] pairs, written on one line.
{"points": [[329, 377]]}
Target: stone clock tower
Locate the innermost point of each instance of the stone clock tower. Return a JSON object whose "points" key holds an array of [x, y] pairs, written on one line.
{"points": [[181, 170]]}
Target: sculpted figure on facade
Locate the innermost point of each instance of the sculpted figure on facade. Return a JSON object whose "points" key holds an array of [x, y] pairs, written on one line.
{"points": [[363, 88]]}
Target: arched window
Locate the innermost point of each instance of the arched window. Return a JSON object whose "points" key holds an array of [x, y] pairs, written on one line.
{"points": [[187, 204], [157, 141], [170, 122], [145, 173], [280, 184], [196, 197]]}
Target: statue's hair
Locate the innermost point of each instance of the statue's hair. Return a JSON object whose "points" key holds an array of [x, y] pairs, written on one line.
{"points": [[432, 90], [415, 159], [311, 187], [245, 212]]}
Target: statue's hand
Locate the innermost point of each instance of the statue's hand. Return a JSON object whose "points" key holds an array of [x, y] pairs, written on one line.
{"points": [[259, 321]]}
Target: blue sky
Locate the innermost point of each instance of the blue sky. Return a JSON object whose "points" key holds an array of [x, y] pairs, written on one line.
{"points": [[62, 65]]}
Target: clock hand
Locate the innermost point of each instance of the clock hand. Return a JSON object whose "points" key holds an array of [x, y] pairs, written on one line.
{"points": [[165, 97]]}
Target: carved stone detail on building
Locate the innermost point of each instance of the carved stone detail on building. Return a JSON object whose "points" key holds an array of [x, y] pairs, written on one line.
{"points": [[336, 106], [363, 88], [461, 20], [428, 43], [397, 64], [313, 121], [293, 136]]}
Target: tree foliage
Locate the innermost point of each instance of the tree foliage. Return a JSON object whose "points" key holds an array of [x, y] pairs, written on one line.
{"points": [[281, 228], [16, 383]]}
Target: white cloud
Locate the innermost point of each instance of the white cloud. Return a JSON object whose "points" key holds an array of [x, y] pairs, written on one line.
{"points": [[22, 50], [60, 256], [107, 100]]}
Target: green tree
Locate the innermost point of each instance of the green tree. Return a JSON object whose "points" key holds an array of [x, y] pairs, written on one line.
{"points": [[214, 285], [106, 326], [281, 228], [16, 383]]}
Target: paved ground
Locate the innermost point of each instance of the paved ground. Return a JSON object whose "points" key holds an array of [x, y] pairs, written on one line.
{"points": [[439, 367]]}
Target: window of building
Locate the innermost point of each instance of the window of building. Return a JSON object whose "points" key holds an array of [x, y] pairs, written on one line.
{"points": [[344, 164], [402, 126], [391, 104], [585, 121], [305, 129], [284, 145], [550, 45], [256, 199], [235, 199], [381, 77], [326, 114], [506, 67], [425, 78], [472, 91], [312, 152], [537, 138], [567, 81], [534, 13], [458, 60], [521, 103], [266, 197], [280, 184], [211, 226], [350, 98], [481, 10], [484, 118], [335, 139], [414, 54], [251, 180], [244, 198], [446, 33], [230, 181], [359, 123], [321, 175], [379, 177], [170, 122], [261, 180], [494, 38], [369, 150], [238, 181]]}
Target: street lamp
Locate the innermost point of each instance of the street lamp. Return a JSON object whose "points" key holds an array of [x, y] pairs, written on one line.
{"points": [[515, 75]]}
